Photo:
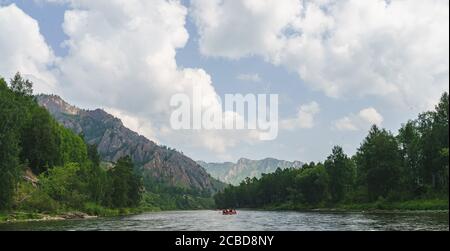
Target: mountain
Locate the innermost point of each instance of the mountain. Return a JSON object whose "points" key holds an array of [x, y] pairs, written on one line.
{"points": [[235, 173], [159, 165]]}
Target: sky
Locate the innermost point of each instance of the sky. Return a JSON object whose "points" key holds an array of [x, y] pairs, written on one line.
{"points": [[338, 66]]}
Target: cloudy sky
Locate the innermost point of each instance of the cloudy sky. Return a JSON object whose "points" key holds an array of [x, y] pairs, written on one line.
{"points": [[339, 66]]}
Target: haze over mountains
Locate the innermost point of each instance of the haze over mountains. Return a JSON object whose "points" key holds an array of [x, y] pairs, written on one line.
{"points": [[235, 173], [159, 164]]}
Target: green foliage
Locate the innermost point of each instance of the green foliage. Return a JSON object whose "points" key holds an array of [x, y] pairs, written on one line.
{"points": [[11, 119], [40, 201], [126, 185], [313, 184], [341, 171], [20, 86], [269, 189], [73, 148], [409, 140], [408, 171], [98, 185], [18, 216], [433, 127], [410, 205], [46, 144], [31, 199], [40, 141], [161, 196], [93, 155], [379, 164], [96, 209], [63, 184], [70, 175]]}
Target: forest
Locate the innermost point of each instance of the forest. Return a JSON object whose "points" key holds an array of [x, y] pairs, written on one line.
{"points": [[46, 168], [408, 170]]}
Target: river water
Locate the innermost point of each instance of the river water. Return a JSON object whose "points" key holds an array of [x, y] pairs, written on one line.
{"points": [[248, 221]]}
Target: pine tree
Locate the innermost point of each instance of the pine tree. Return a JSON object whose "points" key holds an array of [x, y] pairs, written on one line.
{"points": [[10, 122], [379, 163], [341, 171], [21, 86]]}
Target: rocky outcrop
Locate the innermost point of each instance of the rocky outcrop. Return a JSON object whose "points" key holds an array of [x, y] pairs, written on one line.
{"points": [[114, 140], [30, 177]]}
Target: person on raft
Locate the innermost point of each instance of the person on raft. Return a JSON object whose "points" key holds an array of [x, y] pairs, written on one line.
{"points": [[229, 211]]}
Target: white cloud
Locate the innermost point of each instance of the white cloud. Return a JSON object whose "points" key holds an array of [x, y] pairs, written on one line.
{"points": [[235, 29], [392, 49], [372, 116], [249, 77], [136, 124], [121, 55], [345, 124], [361, 121], [305, 118], [23, 48]]}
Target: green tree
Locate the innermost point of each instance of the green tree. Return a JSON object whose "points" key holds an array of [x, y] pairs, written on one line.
{"points": [[69, 171], [21, 86], [379, 163], [64, 184], [40, 141], [409, 140], [72, 146], [313, 184], [99, 184], [126, 185], [10, 122], [434, 127], [93, 155], [441, 130], [341, 171]]}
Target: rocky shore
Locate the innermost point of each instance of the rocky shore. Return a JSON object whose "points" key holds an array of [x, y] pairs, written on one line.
{"points": [[27, 217]]}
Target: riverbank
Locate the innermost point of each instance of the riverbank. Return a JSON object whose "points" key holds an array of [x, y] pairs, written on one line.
{"points": [[90, 212], [18, 217], [436, 205], [150, 203]]}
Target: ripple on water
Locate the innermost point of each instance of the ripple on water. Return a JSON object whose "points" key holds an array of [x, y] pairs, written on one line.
{"points": [[247, 220]]}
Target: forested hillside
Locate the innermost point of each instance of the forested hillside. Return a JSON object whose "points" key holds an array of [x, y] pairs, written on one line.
{"points": [[408, 170], [46, 168], [171, 179]]}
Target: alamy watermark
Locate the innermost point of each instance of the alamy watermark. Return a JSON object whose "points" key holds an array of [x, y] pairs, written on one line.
{"points": [[238, 112]]}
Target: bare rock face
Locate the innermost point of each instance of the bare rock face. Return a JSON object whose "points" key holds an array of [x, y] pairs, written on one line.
{"points": [[157, 163]]}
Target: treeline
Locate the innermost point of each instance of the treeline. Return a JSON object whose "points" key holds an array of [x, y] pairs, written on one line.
{"points": [[45, 167], [413, 165]]}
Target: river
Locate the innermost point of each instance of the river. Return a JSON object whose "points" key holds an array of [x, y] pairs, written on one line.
{"points": [[248, 220]]}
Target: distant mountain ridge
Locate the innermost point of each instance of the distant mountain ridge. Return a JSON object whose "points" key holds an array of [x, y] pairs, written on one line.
{"points": [[235, 173], [114, 140]]}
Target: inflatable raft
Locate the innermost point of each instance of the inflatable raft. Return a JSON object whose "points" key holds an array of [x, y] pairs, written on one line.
{"points": [[229, 212]]}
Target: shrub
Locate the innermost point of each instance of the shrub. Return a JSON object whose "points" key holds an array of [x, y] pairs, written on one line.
{"points": [[41, 202]]}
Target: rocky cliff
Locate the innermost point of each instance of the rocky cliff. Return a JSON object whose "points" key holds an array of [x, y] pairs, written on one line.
{"points": [[157, 163]]}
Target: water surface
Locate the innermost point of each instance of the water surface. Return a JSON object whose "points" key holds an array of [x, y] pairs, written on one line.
{"points": [[248, 221]]}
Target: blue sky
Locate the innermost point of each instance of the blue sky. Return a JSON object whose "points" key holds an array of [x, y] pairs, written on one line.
{"points": [[377, 90]]}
